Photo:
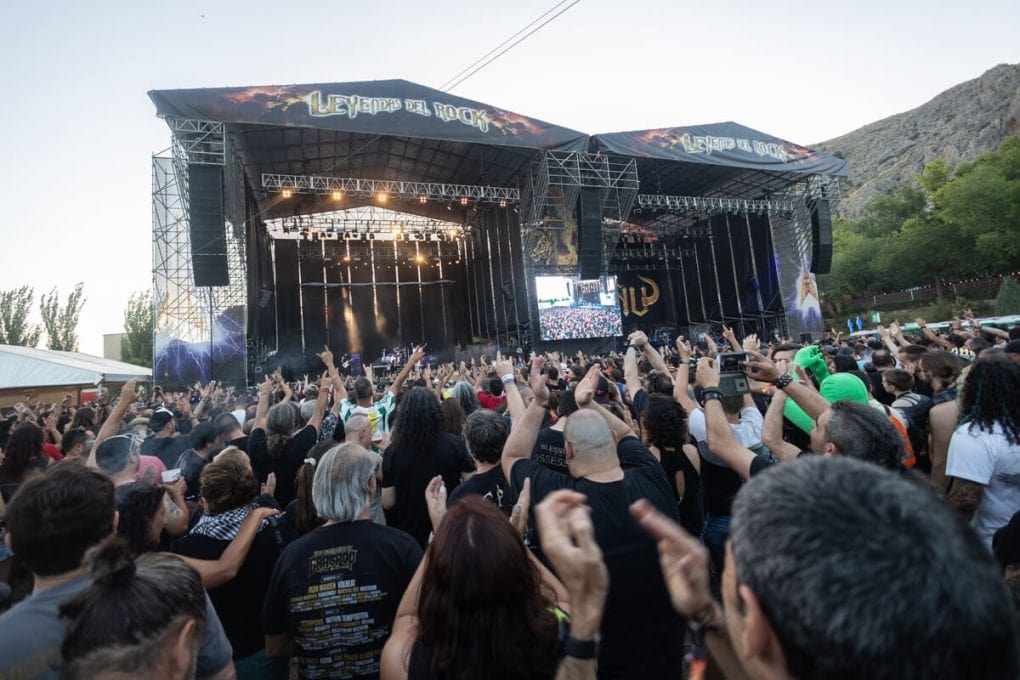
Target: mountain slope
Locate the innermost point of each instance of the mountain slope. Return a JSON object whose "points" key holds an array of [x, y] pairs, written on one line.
{"points": [[964, 121]]}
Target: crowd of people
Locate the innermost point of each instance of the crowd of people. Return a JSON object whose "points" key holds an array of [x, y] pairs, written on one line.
{"points": [[855, 512], [572, 323]]}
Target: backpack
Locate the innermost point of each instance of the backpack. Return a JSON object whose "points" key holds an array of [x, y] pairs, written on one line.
{"points": [[916, 415]]}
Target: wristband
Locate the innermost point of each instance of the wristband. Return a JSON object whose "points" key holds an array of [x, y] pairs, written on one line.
{"points": [[508, 378], [783, 380], [709, 395], [580, 649]]}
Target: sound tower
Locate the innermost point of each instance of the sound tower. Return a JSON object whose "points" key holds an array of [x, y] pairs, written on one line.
{"points": [[821, 236], [589, 234], [208, 240]]}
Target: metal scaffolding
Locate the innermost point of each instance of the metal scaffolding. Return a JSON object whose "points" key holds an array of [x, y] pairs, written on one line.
{"points": [[405, 191], [183, 312]]}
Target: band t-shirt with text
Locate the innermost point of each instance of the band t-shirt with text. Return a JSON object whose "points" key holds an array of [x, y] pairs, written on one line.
{"points": [[335, 590]]}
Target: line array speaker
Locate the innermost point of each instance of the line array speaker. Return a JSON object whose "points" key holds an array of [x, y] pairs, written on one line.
{"points": [[589, 234], [821, 237], [208, 231]]}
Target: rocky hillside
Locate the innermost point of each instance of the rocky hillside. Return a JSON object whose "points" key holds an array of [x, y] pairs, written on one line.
{"points": [[957, 125]]}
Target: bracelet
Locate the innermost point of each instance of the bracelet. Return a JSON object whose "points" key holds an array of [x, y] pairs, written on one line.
{"points": [[508, 378], [709, 395], [580, 649], [782, 381]]}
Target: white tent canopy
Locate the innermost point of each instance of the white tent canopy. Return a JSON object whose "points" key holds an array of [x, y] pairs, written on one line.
{"points": [[31, 367]]}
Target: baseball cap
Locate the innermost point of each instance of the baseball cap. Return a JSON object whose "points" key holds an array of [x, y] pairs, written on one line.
{"points": [[159, 419]]}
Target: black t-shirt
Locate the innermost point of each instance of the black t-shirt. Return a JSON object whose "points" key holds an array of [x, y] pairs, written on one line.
{"points": [[641, 632], [878, 390], [411, 470], [240, 442], [238, 602], [550, 449], [191, 465], [491, 485], [336, 591], [167, 449], [689, 506], [286, 465]]}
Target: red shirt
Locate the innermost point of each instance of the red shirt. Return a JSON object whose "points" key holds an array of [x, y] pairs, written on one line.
{"points": [[52, 451], [491, 403]]}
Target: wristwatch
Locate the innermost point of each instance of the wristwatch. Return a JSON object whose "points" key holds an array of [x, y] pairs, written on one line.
{"points": [[783, 380], [580, 649]]}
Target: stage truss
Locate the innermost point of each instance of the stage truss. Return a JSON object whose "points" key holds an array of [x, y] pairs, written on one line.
{"points": [[341, 187], [183, 311]]}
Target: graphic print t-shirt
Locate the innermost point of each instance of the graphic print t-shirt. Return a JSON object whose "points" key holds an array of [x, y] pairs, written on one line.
{"points": [[336, 591]]}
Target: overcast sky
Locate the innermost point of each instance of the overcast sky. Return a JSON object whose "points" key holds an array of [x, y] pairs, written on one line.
{"points": [[77, 130]]}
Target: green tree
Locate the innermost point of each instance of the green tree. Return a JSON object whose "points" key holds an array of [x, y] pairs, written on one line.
{"points": [[136, 345], [61, 321], [1007, 300], [983, 202], [15, 305]]}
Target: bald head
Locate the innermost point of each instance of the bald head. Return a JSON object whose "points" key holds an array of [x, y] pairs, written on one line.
{"points": [[358, 430], [589, 437]]}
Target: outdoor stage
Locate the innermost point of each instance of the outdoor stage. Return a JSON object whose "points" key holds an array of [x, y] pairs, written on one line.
{"points": [[375, 215]]}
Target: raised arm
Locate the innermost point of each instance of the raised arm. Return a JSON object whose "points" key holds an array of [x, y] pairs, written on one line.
{"points": [[415, 357], [321, 403], [721, 441], [514, 402], [630, 372], [655, 359], [772, 429], [683, 377], [265, 389], [524, 430], [731, 338], [584, 396], [112, 423], [764, 369], [339, 389]]}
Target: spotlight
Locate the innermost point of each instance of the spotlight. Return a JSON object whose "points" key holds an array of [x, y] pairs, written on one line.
{"points": [[347, 236], [371, 237], [464, 200], [419, 259], [502, 204], [347, 258], [287, 193], [423, 199], [381, 196], [337, 195]]}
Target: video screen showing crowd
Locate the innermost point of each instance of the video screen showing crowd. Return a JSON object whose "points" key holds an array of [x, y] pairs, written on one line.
{"points": [[573, 309]]}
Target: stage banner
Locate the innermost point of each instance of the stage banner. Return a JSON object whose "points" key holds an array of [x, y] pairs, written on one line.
{"points": [[384, 107], [792, 239], [726, 144], [643, 298]]}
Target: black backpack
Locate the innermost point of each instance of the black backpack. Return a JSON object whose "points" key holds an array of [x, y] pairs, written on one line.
{"points": [[916, 415]]}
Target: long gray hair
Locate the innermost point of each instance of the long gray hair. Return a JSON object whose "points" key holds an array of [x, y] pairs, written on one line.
{"points": [[340, 489]]}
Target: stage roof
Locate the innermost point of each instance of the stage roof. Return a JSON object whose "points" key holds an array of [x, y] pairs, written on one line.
{"points": [[402, 131], [32, 367]]}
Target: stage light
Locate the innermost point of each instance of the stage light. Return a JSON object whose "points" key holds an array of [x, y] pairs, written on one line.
{"points": [[419, 259], [464, 201], [337, 195], [381, 196], [347, 236], [371, 237], [287, 193], [347, 258], [502, 204], [423, 199]]}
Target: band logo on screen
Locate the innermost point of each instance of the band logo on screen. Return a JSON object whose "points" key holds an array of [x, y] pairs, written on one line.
{"points": [[354, 105], [638, 300], [573, 309]]}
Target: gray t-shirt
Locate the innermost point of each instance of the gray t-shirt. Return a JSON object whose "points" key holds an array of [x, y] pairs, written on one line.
{"points": [[33, 632]]}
